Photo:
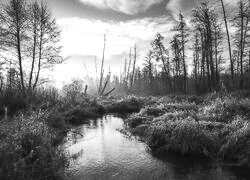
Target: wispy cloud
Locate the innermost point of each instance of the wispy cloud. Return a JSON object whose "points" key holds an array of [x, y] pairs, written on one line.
{"points": [[130, 7]]}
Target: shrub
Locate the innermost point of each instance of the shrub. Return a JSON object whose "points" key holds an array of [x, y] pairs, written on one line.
{"points": [[27, 151]]}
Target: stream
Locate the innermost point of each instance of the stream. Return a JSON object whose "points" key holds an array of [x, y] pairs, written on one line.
{"points": [[99, 151]]}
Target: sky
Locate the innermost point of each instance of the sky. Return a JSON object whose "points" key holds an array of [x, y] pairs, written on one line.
{"points": [[125, 22]]}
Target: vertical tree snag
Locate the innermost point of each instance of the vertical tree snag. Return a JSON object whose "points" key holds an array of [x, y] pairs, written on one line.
{"points": [[102, 69], [228, 40]]}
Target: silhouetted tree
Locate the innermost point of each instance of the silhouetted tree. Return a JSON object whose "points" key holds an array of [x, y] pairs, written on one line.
{"points": [[182, 34], [160, 53]]}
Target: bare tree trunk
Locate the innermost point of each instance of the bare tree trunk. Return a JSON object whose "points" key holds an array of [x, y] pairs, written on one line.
{"points": [[33, 56], [133, 72], [216, 57], [20, 58], [211, 55], [39, 59], [33, 63], [241, 45], [228, 40], [165, 69], [96, 71], [104, 87], [108, 93], [249, 68], [184, 62], [86, 89], [129, 64], [125, 72], [102, 71]]}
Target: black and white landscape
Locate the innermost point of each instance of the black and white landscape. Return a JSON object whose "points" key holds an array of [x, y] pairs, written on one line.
{"points": [[124, 89]]}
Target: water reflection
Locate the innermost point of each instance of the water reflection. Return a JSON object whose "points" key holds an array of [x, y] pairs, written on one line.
{"points": [[100, 151]]}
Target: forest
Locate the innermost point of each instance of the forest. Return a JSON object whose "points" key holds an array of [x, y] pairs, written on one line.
{"points": [[191, 95]]}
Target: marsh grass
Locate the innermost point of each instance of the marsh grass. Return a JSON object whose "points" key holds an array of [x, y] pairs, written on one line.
{"points": [[127, 104], [217, 128], [27, 150]]}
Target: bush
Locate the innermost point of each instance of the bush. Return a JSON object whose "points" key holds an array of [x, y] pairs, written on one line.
{"points": [[27, 151], [14, 100]]}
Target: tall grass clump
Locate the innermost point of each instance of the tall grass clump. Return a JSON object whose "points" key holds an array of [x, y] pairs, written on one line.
{"points": [[217, 128], [27, 149], [125, 105], [224, 109], [236, 147], [81, 110]]}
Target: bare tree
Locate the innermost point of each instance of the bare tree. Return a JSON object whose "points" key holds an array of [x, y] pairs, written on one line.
{"points": [[160, 54], [34, 21], [149, 66], [177, 63], [30, 39], [14, 21], [133, 71], [48, 37], [182, 34], [228, 40], [241, 23], [102, 69], [204, 17]]}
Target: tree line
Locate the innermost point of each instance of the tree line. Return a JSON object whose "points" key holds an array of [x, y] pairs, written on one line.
{"points": [[165, 70]]}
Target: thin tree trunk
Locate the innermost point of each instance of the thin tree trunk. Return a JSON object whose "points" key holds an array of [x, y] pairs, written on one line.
{"points": [[165, 69], [133, 72], [20, 58], [216, 58], [101, 75], [241, 47], [33, 58], [184, 62], [108, 93], [228, 40], [129, 64], [39, 59]]}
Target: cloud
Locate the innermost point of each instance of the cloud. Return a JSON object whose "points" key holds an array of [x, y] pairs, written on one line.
{"points": [[85, 37], [130, 7], [186, 6], [83, 40]]}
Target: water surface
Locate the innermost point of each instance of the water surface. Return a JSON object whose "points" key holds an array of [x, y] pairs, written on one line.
{"points": [[100, 151]]}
